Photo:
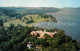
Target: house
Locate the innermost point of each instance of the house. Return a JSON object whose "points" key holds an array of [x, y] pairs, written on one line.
{"points": [[40, 33], [38, 47]]}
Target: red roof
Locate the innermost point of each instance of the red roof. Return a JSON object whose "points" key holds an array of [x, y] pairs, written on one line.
{"points": [[51, 35]]}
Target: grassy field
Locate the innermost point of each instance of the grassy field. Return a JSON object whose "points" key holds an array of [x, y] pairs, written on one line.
{"points": [[3, 17], [35, 18], [15, 22], [30, 17], [28, 20]]}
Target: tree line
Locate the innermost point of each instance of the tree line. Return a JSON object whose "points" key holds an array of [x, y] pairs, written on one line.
{"points": [[16, 38]]}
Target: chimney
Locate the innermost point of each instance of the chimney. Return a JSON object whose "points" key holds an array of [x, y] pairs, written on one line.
{"points": [[44, 30]]}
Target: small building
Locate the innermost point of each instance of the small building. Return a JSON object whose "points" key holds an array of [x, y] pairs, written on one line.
{"points": [[38, 47], [29, 45]]}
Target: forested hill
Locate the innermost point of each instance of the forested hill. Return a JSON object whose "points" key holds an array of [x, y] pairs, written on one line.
{"points": [[17, 38], [10, 14], [21, 11], [4, 11], [34, 9]]}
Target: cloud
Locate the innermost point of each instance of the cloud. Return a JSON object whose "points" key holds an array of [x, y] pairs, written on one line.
{"points": [[41, 3]]}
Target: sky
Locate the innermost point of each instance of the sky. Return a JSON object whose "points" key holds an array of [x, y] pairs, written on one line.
{"points": [[40, 3]]}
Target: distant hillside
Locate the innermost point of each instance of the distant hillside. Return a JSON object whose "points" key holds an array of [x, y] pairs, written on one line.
{"points": [[70, 8], [21, 11], [29, 15], [36, 9]]}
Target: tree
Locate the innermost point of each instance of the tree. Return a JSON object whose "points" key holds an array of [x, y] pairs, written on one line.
{"points": [[68, 38], [6, 46], [12, 40], [11, 26], [1, 22], [46, 36]]}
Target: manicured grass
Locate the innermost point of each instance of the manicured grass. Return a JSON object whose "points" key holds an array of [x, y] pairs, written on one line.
{"points": [[15, 22]]}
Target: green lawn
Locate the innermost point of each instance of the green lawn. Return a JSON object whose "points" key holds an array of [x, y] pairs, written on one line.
{"points": [[3, 17], [35, 18], [15, 22]]}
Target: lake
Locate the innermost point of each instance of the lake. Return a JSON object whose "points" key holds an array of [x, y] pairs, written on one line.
{"points": [[68, 20]]}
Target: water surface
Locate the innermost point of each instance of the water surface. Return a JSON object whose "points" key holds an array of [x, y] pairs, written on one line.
{"points": [[68, 20]]}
